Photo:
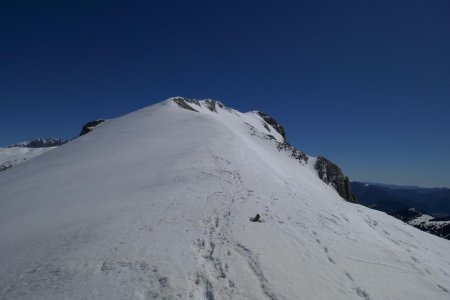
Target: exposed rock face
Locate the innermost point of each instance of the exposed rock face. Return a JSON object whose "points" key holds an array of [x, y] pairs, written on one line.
{"points": [[272, 122], [89, 126], [211, 105], [190, 104], [294, 152], [181, 102], [332, 174], [284, 145], [40, 143]]}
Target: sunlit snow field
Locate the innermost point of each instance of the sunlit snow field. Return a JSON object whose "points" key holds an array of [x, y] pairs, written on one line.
{"points": [[156, 205]]}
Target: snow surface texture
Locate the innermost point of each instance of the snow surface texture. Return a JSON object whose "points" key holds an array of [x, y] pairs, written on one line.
{"points": [[156, 205]]}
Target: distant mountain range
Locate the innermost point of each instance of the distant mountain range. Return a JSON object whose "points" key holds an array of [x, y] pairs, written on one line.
{"points": [[393, 198], [427, 223], [427, 209], [40, 143], [13, 155]]}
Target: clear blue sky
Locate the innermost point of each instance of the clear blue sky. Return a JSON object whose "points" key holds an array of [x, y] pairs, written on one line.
{"points": [[364, 83]]}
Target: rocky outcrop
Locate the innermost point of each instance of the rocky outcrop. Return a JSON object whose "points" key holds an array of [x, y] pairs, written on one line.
{"points": [[40, 143], [211, 105], [293, 152], [181, 102], [332, 174], [272, 122], [89, 126], [190, 104]]}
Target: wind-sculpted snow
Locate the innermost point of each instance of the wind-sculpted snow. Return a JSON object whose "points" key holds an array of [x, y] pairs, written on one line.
{"points": [[156, 205]]}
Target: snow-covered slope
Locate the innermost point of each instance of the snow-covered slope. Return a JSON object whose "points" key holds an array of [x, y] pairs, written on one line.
{"points": [[156, 205], [20, 152], [12, 156]]}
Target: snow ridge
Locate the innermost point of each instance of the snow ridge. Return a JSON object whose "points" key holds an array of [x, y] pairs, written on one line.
{"points": [[156, 205], [272, 131]]}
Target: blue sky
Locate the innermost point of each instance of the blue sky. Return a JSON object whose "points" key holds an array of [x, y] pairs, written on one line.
{"points": [[364, 83]]}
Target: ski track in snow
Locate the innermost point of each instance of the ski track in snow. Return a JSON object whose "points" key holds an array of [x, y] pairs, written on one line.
{"points": [[218, 245], [217, 241]]}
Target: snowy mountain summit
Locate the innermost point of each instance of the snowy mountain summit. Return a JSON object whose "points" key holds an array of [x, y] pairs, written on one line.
{"points": [[156, 205]]}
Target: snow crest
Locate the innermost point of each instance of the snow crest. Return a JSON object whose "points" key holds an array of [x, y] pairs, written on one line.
{"points": [[156, 205]]}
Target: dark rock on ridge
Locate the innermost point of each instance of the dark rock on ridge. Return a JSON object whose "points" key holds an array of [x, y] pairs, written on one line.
{"points": [[181, 102], [284, 145], [89, 126], [332, 174], [281, 146], [210, 104], [294, 152], [272, 122]]}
